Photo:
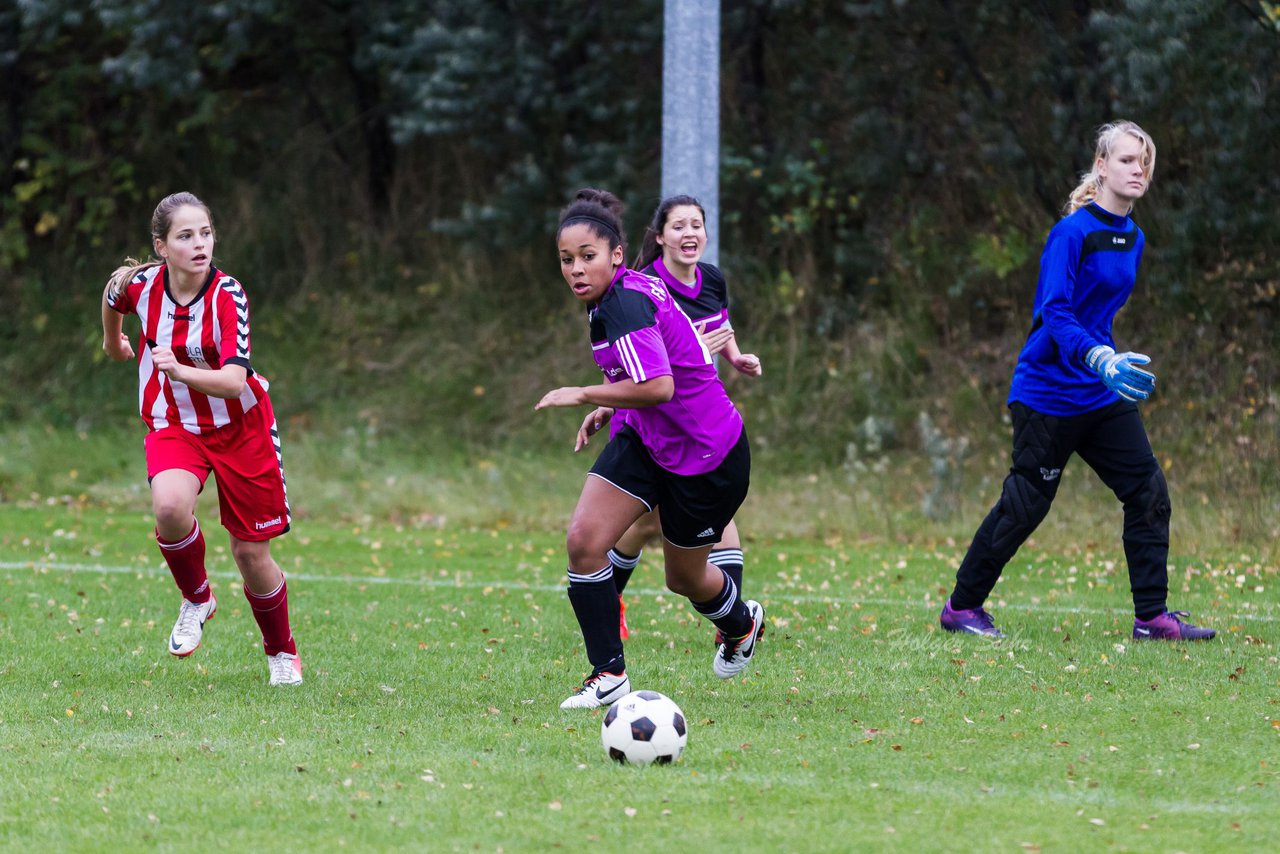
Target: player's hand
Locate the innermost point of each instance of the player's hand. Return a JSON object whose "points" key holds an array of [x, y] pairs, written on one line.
{"points": [[592, 424], [119, 351], [717, 339], [165, 361], [565, 396], [749, 364], [1120, 372]]}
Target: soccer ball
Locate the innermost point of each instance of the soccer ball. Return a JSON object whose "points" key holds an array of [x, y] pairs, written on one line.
{"points": [[644, 727]]}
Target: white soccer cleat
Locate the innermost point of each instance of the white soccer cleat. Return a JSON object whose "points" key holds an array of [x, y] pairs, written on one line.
{"points": [[189, 628], [733, 656], [600, 689], [285, 669]]}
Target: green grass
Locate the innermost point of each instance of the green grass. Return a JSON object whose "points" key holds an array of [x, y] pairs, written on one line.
{"points": [[436, 658]]}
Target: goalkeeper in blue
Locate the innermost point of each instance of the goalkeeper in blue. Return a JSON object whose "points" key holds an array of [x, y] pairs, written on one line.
{"points": [[1073, 393]]}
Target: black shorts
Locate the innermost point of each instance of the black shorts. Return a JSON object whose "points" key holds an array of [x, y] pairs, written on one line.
{"points": [[696, 508]]}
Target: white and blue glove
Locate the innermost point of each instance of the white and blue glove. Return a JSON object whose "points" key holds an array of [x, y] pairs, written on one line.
{"points": [[1120, 372]]}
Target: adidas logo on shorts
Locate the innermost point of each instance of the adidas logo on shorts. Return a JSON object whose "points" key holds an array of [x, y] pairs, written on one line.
{"points": [[707, 533]]}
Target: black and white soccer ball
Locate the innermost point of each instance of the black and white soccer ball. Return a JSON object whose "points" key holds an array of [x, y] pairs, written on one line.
{"points": [[644, 727]]}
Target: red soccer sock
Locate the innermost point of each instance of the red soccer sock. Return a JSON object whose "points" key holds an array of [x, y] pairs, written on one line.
{"points": [[186, 562], [271, 610]]}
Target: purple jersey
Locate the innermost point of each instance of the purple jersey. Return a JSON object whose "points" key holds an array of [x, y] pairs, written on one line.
{"points": [[639, 333], [706, 300]]}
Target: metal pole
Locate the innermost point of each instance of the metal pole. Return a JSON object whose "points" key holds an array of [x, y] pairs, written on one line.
{"points": [[691, 108]]}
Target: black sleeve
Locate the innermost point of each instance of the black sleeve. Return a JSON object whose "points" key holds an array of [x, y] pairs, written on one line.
{"points": [[713, 284], [624, 311]]}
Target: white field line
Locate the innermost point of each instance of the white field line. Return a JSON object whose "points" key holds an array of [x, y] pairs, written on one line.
{"points": [[1263, 615], [1096, 801]]}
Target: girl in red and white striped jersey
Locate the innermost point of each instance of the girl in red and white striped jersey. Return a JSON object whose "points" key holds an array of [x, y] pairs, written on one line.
{"points": [[207, 412]]}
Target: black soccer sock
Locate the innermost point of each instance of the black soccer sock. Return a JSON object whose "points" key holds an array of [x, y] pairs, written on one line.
{"points": [[727, 610], [623, 566], [595, 604], [730, 560]]}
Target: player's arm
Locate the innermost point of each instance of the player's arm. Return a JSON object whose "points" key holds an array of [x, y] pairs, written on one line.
{"points": [[745, 363], [624, 394], [115, 343], [715, 340], [637, 343], [1058, 265], [225, 382], [592, 424]]}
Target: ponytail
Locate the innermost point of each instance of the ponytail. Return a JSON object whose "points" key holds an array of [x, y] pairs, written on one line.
{"points": [[123, 275]]}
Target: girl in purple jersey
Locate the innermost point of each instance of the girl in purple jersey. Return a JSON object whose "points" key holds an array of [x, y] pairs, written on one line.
{"points": [[683, 448], [672, 252]]}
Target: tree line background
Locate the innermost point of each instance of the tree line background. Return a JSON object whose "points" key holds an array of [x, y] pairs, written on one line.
{"points": [[385, 178]]}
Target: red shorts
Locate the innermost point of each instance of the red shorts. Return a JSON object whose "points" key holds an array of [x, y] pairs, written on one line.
{"points": [[244, 457]]}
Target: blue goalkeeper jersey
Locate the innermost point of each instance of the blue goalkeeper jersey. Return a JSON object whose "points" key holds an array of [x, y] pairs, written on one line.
{"points": [[1087, 271]]}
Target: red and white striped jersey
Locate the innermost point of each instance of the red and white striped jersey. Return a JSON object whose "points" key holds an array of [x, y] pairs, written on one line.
{"points": [[210, 331]]}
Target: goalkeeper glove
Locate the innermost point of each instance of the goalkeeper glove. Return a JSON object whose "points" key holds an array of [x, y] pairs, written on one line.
{"points": [[1120, 372]]}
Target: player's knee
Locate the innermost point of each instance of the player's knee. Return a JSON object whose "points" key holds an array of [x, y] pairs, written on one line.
{"points": [[173, 514], [1154, 501], [1023, 502], [1022, 508], [253, 558], [587, 550], [681, 584]]}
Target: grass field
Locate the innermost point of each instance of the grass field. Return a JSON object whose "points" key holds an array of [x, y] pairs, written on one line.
{"points": [[436, 658]]}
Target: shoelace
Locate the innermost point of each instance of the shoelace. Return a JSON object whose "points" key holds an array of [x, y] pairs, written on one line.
{"points": [[589, 683], [188, 619], [732, 645], [281, 667], [985, 618]]}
